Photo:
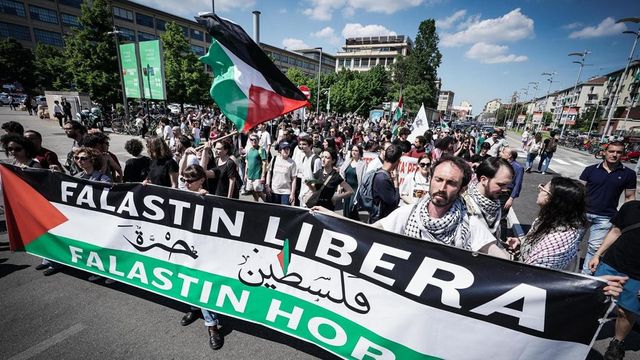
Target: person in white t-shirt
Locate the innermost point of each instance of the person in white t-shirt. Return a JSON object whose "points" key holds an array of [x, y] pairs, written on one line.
{"points": [[441, 216], [307, 164], [281, 176], [265, 138]]}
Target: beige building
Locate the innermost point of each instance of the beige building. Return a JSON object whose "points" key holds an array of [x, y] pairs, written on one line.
{"points": [[306, 60], [492, 106], [445, 101], [363, 53]]}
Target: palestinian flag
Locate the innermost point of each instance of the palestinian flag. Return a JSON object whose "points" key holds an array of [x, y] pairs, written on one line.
{"points": [[247, 85], [397, 114]]}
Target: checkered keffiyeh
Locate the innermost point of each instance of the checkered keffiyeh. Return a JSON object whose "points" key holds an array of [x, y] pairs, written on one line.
{"points": [[490, 209], [554, 250], [451, 229]]}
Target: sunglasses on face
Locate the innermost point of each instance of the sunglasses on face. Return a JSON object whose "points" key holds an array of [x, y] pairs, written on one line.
{"points": [[541, 188], [81, 158], [14, 149], [424, 165], [190, 181]]}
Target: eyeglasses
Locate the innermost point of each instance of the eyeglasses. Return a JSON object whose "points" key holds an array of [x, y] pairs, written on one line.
{"points": [[14, 149], [541, 188], [81, 158], [253, 139], [424, 165], [190, 181]]}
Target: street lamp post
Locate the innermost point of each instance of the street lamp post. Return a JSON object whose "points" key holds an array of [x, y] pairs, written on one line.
{"points": [[581, 63], [546, 98], [328, 91], [319, 71], [116, 33], [612, 110], [533, 97]]}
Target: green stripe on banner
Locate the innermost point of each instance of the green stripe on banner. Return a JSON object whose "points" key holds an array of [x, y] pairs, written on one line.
{"points": [[224, 89], [228, 296]]}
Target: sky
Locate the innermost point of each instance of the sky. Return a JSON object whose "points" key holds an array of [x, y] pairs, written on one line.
{"points": [[489, 48]]}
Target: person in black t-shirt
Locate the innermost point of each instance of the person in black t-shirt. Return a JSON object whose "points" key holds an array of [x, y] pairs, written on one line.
{"points": [[622, 246], [136, 169], [163, 170], [402, 141]]}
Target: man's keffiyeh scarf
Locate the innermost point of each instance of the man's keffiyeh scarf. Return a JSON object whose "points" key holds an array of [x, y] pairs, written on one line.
{"points": [[490, 209], [451, 229]]}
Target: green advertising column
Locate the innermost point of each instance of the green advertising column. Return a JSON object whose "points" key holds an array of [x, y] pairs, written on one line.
{"points": [[152, 70], [129, 62]]}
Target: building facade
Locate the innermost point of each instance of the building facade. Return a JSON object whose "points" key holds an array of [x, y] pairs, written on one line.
{"points": [[445, 101], [363, 53], [492, 106]]}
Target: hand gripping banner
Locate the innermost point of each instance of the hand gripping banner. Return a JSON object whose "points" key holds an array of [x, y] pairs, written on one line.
{"points": [[357, 291]]}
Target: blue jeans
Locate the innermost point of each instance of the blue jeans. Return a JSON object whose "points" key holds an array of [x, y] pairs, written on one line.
{"points": [[210, 318], [598, 229], [545, 159], [530, 158], [282, 199]]}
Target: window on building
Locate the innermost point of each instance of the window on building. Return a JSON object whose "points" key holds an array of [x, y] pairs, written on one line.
{"points": [[72, 3], [197, 35], [43, 14], [144, 20], [123, 14], [185, 31], [365, 62], [143, 36], [356, 62], [48, 37], [198, 50], [70, 20], [161, 24], [17, 32], [12, 8], [127, 34]]}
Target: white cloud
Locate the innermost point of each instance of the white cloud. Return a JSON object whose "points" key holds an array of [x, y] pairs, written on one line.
{"points": [[572, 26], [328, 34], [493, 54], [448, 22], [323, 9], [294, 44], [509, 27], [607, 27], [357, 30], [473, 19]]}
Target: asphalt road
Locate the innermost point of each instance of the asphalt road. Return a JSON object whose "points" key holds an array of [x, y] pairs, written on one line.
{"points": [[67, 317]]}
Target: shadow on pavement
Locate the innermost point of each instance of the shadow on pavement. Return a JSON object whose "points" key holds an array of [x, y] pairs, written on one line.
{"points": [[6, 269]]}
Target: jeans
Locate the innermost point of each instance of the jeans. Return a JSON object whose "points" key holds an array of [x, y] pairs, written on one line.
{"points": [[282, 199], [210, 318], [598, 229], [530, 158], [545, 159]]}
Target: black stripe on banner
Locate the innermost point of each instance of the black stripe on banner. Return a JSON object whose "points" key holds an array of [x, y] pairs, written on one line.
{"points": [[573, 305], [234, 38]]}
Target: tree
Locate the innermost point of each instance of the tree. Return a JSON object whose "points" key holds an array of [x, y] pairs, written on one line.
{"points": [[91, 54], [186, 80], [50, 69], [17, 63], [297, 77], [590, 113]]}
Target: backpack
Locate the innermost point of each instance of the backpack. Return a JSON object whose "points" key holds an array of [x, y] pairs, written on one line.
{"points": [[363, 199]]}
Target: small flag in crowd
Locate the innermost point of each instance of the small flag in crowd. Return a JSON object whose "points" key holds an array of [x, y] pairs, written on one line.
{"points": [[397, 114], [247, 85], [284, 256]]}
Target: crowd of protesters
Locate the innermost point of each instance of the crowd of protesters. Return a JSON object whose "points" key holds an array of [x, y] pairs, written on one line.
{"points": [[463, 185]]}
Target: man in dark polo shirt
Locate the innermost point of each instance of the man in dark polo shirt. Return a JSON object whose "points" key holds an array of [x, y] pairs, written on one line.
{"points": [[605, 182], [620, 248]]}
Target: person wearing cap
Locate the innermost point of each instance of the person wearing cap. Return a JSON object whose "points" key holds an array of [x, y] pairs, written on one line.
{"points": [[255, 169], [281, 176]]}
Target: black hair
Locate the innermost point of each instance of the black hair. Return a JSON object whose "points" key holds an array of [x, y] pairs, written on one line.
{"points": [[333, 153], [13, 127], [421, 139], [29, 148], [457, 162], [360, 149], [393, 154], [133, 147], [94, 139], [490, 166], [566, 207], [75, 125], [37, 134], [443, 144]]}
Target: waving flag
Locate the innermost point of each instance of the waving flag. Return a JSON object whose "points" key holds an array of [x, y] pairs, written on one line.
{"points": [[247, 85], [397, 114]]}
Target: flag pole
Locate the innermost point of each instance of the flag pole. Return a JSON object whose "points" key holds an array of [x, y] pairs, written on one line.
{"points": [[218, 139]]}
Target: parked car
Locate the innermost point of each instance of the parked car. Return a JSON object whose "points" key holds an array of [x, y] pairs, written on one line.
{"points": [[4, 99], [40, 100], [632, 156]]}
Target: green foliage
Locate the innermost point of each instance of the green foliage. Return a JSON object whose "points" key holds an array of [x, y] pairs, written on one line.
{"points": [[91, 54], [186, 80], [584, 120], [297, 77], [17, 63], [50, 71]]}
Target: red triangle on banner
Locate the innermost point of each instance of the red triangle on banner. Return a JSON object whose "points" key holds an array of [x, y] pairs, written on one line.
{"points": [[29, 214]]}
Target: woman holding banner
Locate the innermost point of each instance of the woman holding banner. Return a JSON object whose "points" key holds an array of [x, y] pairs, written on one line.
{"points": [[416, 185], [352, 170]]}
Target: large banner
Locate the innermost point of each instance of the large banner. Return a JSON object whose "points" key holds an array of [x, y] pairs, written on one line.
{"points": [[151, 63], [357, 291], [129, 63]]}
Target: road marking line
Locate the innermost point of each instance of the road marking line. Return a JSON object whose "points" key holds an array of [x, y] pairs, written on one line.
{"points": [[515, 223], [578, 163], [560, 161], [44, 345]]}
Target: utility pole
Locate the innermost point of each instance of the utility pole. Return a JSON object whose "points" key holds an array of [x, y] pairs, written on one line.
{"points": [[581, 63]]}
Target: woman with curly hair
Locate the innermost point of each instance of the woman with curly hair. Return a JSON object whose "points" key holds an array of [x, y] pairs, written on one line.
{"points": [[136, 168], [552, 242], [163, 170], [21, 150]]}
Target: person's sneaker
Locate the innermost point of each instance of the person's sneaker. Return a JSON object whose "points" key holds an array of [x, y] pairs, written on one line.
{"points": [[50, 271], [109, 281], [42, 267], [216, 340], [94, 278], [615, 350], [543, 173]]}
